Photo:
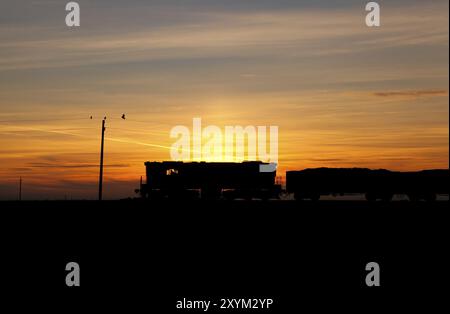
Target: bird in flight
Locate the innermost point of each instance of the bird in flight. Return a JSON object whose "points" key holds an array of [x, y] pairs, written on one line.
{"points": [[123, 116]]}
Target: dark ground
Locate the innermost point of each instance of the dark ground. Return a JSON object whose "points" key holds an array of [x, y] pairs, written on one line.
{"points": [[137, 255]]}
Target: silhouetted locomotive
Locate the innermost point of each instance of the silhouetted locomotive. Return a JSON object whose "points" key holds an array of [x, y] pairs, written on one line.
{"points": [[209, 180], [228, 180]]}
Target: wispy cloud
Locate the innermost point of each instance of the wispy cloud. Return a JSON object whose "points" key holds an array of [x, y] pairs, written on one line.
{"points": [[73, 165], [413, 93], [218, 35]]}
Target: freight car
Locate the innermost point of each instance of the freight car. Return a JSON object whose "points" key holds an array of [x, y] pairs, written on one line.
{"points": [[228, 180], [208, 180], [375, 184]]}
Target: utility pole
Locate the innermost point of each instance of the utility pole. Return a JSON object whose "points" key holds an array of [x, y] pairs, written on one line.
{"points": [[100, 182], [20, 189]]}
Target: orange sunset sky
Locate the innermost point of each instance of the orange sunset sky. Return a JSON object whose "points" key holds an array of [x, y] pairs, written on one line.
{"points": [[342, 94]]}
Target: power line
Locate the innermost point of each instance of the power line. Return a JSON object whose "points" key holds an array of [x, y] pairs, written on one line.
{"points": [[149, 132], [141, 121], [43, 120], [87, 117]]}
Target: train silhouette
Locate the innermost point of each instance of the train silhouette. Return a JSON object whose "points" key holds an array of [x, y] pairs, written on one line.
{"points": [[229, 180]]}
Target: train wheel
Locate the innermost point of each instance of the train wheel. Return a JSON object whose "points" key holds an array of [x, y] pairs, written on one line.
{"points": [[371, 197], [298, 196], [413, 197], [228, 195], [210, 194], [430, 197], [387, 198]]}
